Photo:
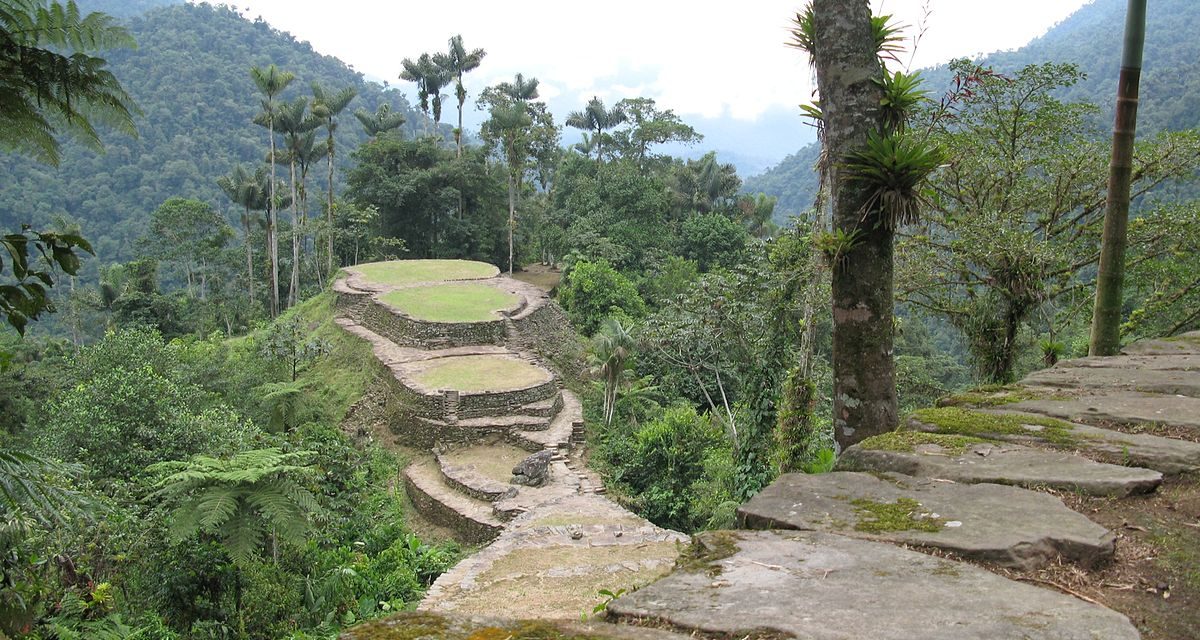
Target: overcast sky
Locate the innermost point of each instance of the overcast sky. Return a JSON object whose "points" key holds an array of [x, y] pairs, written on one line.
{"points": [[700, 57]]}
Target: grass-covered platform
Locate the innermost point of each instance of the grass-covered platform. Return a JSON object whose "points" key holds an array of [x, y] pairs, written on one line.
{"points": [[481, 373], [452, 302], [405, 272]]}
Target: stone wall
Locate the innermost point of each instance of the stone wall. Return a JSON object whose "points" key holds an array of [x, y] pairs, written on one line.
{"points": [[406, 331], [546, 332], [496, 403], [471, 531]]}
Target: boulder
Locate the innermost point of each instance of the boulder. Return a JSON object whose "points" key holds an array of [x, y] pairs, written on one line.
{"points": [[533, 471]]}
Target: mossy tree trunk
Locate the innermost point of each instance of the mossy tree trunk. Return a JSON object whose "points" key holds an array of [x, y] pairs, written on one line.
{"points": [[864, 380]]}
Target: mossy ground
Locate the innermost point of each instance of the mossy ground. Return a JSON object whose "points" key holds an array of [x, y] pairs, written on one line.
{"points": [[995, 396], [452, 302], [908, 441], [905, 514], [429, 626], [401, 272], [964, 422], [707, 550], [480, 373]]}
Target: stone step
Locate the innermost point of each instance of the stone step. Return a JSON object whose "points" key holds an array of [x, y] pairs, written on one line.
{"points": [[1003, 525], [550, 562], [1165, 381], [1181, 362], [931, 455], [1166, 455], [824, 586], [1183, 344], [1125, 408], [470, 481], [561, 427], [492, 424], [472, 520]]}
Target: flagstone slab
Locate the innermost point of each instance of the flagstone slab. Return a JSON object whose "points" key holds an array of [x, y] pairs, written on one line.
{"points": [[824, 586], [1165, 381], [1120, 408], [1004, 463], [1004, 525], [1186, 343], [1166, 455]]}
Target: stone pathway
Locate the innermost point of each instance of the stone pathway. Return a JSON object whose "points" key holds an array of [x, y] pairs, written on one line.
{"points": [[871, 550], [551, 548]]}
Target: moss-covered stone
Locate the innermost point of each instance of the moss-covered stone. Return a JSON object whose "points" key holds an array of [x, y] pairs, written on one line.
{"points": [[706, 550], [902, 515], [996, 395], [908, 441], [429, 626], [964, 422]]}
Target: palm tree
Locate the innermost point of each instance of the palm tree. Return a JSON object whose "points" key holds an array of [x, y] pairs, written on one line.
{"points": [[430, 78], [271, 82], [457, 62], [610, 351], [509, 123], [596, 119], [294, 122], [307, 152], [249, 191], [380, 122], [326, 107]]}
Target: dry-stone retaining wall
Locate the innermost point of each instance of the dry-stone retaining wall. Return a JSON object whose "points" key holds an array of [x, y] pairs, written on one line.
{"points": [[545, 330], [406, 331]]}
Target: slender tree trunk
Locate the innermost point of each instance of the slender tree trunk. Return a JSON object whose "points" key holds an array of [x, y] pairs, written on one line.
{"points": [[864, 402], [329, 213], [1106, 316], [272, 226], [294, 283], [512, 217], [462, 97], [249, 258]]}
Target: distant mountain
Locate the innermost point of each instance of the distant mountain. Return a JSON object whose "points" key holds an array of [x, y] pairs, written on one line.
{"points": [[190, 77], [1090, 38]]}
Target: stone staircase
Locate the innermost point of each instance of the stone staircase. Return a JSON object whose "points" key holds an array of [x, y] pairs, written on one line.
{"points": [[477, 437], [951, 528]]}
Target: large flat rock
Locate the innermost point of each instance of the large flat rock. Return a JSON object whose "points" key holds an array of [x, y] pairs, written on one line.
{"points": [[1166, 455], [1174, 362], [822, 586], [1003, 463], [1120, 408], [1183, 344], [1004, 525], [551, 562], [1165, 381], [431, 626]]}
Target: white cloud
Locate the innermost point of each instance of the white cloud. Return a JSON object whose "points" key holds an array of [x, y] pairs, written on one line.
{"points": [[701, 58]]}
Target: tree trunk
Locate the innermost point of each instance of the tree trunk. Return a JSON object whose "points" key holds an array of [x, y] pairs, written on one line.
{"points": [[1106, 316], [329, 213], [512, 216], [249, 259], [864, 393], [294, 283], [272, 226]]}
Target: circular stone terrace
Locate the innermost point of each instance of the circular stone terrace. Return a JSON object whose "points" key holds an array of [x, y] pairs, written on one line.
{"points": [[403, 273], [485, 373], [452, 302]]}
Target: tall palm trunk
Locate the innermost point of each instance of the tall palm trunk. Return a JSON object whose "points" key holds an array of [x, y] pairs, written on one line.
{"points": [[272, 226], [1106, 316], [329, 213], [246, 219], [294, 284]]}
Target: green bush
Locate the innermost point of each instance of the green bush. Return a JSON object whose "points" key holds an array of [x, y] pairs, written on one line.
{"points": [[594, 291]]}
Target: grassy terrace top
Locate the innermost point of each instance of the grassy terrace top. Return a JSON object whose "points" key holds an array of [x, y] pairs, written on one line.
{"points": [[451, 302], [480, 373], [401, 272]]}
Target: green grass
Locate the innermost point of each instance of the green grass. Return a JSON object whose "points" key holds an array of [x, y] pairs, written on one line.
{"points": [[480, 373], [398, 272], [964, 422], [451, 302], [907, 441]]}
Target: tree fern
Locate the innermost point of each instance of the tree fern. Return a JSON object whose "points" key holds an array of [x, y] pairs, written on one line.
{"points": [[241, 499]]}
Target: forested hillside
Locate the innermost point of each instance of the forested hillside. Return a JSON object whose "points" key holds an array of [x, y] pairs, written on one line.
{"points": [[1091, 38], [190, 76]]}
